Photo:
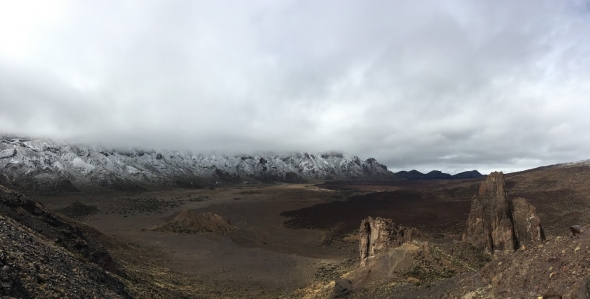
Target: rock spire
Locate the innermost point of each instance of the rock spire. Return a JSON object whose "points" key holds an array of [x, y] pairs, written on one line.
{"points": [[496, 224]]}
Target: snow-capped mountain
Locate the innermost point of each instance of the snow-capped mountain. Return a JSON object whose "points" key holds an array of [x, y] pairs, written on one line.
{"points": [[46, 166]]}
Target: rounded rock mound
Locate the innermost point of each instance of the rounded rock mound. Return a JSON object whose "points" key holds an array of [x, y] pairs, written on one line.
{"points": [[191, 222], [78, 210]]}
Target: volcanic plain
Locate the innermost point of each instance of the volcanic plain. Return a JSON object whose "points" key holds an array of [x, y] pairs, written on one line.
{"points": [[281, 238]]}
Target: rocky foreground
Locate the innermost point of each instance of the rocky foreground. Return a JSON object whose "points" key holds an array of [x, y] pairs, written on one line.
{"points": [[45, 256], [503, 254]]}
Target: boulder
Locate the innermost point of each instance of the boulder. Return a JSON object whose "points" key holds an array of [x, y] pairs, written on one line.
{"points": [[342, 288], [378, 234], [576, 229], [498, 225]]}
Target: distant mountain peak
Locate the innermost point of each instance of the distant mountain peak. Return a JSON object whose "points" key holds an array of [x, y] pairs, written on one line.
{"points": [[435, 175]]}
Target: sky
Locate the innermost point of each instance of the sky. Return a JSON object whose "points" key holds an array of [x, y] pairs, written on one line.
{"points": [[449, 85]]}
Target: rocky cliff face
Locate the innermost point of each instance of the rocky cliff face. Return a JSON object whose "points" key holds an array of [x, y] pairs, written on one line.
{"points": [[47, 166], [378, 234], [497, 225]]}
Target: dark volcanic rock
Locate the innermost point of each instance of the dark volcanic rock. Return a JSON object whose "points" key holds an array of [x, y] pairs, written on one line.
{"points": [[378, 234], [576, 229], [495, 224], [342, 288], [43, 255], [77, 239]]}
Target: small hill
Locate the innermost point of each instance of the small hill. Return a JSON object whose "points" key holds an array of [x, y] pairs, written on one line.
{"points": [[78, 210], [191, 222]]}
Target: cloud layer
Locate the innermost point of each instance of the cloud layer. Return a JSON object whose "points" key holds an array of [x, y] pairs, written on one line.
{"points": [[449, 85]]}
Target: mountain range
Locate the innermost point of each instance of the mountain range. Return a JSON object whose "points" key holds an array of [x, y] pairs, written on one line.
{"points": [[47, 166]]}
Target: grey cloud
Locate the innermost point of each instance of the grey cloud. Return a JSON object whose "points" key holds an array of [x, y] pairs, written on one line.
{"points": [[449, 85]]}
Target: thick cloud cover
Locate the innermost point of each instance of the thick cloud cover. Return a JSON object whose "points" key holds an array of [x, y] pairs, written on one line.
{"points": [[449, 85]]}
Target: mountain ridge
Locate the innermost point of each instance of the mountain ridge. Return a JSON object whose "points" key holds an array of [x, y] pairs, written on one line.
{"points": [[47, 166], [436, 175]]}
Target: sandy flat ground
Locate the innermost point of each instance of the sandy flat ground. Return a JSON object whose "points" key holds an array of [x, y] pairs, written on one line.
{"points": [[261, 256]]}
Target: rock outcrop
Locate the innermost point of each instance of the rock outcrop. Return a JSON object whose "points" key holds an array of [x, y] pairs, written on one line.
{"points": [[527, 224], [498, 225], [378, 234]]}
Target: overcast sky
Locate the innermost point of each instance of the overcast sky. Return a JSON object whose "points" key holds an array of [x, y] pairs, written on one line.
{"points": [[448, 85]]}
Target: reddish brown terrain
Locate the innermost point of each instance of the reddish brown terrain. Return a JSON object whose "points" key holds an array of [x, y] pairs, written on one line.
{"points": [[293, 240]]}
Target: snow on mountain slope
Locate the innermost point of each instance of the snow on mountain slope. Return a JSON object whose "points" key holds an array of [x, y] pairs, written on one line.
{"points": [[45, 166]]}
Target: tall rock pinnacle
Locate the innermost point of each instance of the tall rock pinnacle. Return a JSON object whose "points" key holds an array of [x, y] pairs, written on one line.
{"points": [[496, 224]]}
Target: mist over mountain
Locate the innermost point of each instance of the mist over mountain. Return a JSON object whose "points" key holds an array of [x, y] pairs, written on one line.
{"points": [[45, 165], [49, 166]]}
